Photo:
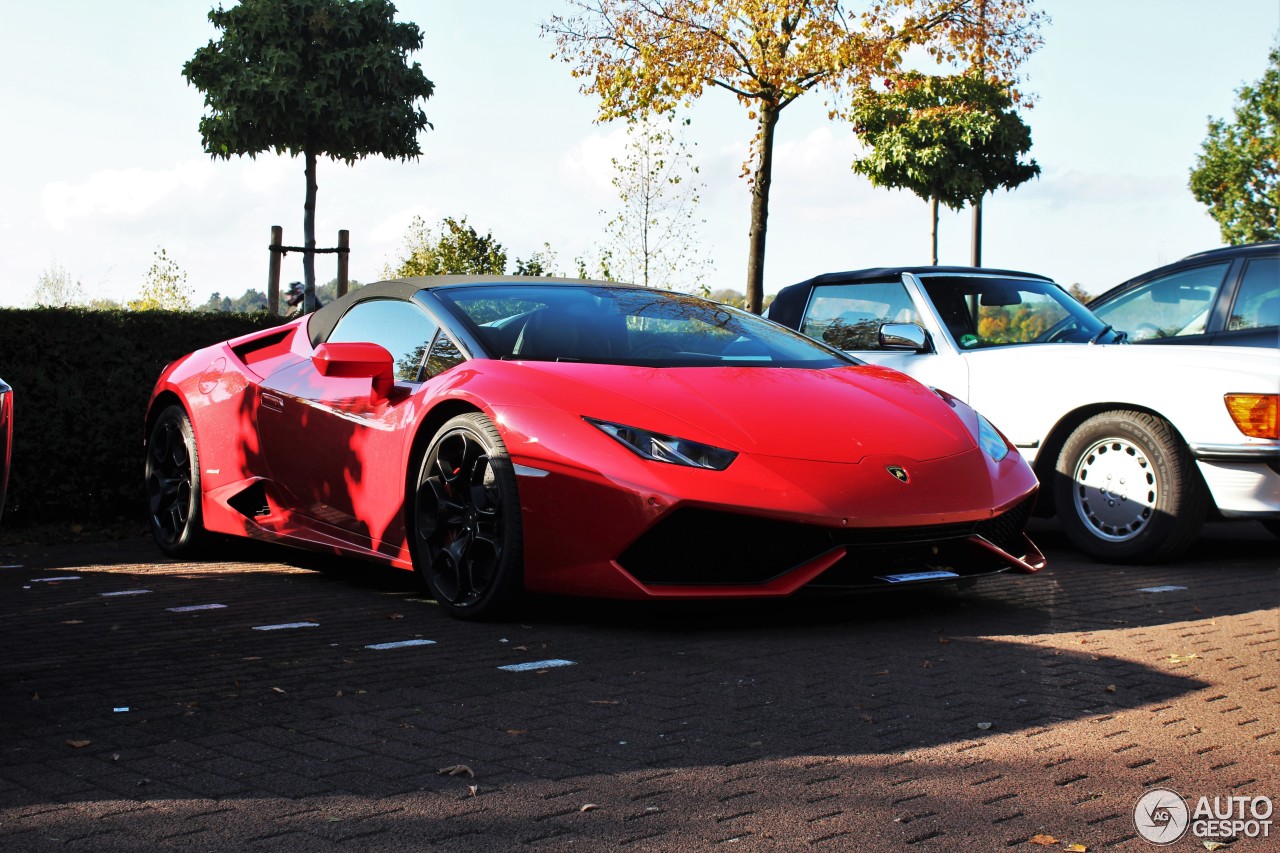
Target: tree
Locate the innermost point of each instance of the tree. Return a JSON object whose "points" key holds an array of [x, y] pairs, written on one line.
{"points": [[55, 288], [542, 262], [650, 56], [311, 78], [652, 237], [948, 139], [1237, 173], [164, 288], [457, 249]]}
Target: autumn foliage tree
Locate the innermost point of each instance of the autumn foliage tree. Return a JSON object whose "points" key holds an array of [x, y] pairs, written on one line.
{"points": [[1237, 174], [948, 139], [311, 78], [651, 56]]}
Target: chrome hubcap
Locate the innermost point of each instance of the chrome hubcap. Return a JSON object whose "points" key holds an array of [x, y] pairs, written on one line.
{"points": [[1115, 489]]}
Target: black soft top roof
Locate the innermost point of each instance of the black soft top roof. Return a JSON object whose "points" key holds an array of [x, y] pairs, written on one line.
{"points": [[788, 306], [326, 317]]}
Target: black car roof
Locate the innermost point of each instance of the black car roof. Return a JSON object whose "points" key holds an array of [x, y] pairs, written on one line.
{"points": [[1264, 247], [1269, 247], [326, 317], [788, 305]]}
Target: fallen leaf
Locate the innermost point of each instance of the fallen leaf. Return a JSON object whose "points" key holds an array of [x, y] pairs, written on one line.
{"points": [[78, 744], [1076, 848], [276, 689], [514, 732], [1181, 658], [456, 770], [474, 789], [1213, 845], [985, 726], [1111, 688], [395, 616], [521, 648], [1042, 840], [927, 665], [588, 807], [943, 641]]}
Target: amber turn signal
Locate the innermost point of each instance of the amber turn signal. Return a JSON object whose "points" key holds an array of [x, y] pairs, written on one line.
{"points": [[1255, 414]]}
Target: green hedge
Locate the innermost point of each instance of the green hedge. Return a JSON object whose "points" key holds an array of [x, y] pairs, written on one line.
{"points": [[81, 380]]}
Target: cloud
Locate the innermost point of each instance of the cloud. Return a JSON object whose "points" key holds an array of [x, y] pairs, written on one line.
{"points": [[588, 164], [122, 193]]}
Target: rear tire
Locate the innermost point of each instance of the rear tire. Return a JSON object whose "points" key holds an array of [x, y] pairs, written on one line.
{"points": [[1127, 491], [467, 532], [173, 484]]}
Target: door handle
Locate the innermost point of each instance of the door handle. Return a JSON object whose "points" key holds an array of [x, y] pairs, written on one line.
{"points": [[272, 402]]}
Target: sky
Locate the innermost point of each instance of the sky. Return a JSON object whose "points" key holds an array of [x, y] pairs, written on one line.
{"points": [[103, 164]]}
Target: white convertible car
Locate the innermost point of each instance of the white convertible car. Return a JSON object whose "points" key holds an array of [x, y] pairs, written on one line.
{"points": [[1136, 446]]}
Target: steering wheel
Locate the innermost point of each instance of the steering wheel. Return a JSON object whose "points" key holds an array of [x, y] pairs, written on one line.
{"points": [[1056, 333]]}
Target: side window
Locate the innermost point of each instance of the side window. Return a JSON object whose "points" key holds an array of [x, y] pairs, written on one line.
{"points": [[444, 355], [1178, 304], [848, 316], [1258, 301], [402, 327]]}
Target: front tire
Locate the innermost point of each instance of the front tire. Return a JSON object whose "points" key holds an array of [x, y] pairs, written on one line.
{"points": [[173, 484], [467, 532], [1127, 491]]}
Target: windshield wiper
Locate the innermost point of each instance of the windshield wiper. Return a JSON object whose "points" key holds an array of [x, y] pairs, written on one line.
{"points": [[1099, 336]]}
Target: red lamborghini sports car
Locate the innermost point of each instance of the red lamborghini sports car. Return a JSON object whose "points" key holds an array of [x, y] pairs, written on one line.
{"points": [[508, 435]]}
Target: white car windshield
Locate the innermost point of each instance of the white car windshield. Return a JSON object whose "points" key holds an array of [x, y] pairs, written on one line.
{"points": [[996, 311]]}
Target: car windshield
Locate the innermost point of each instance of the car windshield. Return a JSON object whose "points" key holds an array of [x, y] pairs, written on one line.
{"points": [[626, 325], [995, 311]]}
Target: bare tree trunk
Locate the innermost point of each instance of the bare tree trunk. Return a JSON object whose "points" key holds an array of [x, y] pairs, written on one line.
{"points": [[760, 209], [976, 253], [933, 229], [309, 236]]}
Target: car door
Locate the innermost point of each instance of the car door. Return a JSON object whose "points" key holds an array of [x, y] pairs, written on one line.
{"points": [[334, 449], [849, 317]]}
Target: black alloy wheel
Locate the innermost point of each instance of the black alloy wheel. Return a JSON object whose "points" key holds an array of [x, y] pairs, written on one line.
{"points": [[467, 533], [173, 483]]}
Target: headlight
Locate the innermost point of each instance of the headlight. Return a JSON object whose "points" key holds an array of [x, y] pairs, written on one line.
{"points": [[666, 448], [991, 439]]}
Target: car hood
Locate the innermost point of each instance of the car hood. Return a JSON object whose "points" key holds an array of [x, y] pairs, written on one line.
{"points": [[836, 415]]}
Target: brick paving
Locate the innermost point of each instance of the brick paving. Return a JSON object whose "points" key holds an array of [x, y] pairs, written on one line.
{"points": [[1025, 709]]}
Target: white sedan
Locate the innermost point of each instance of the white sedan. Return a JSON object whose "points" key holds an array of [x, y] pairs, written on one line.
{"points": [[1137, 445]]}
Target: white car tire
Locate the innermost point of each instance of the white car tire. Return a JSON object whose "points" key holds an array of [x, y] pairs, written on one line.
{"points": [[1127, 490]]}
